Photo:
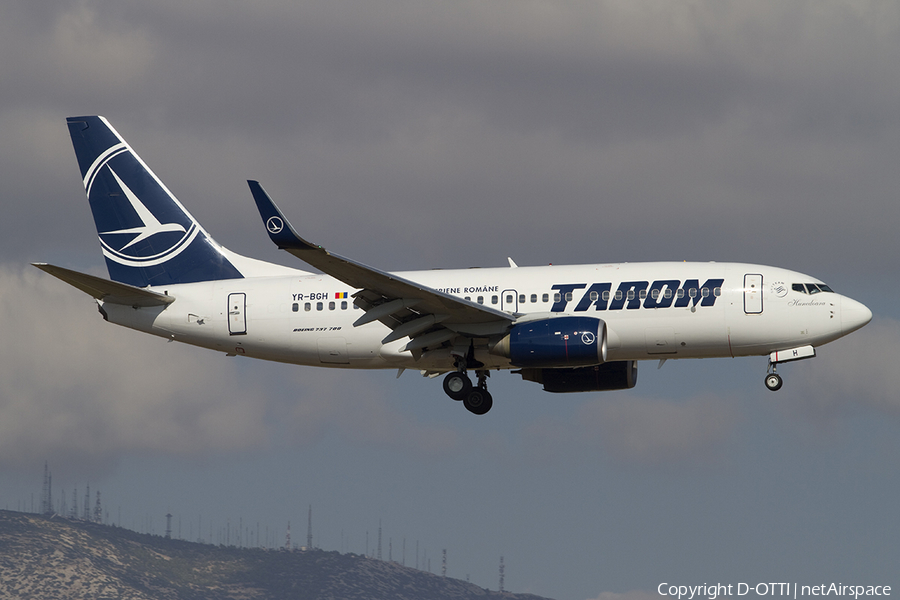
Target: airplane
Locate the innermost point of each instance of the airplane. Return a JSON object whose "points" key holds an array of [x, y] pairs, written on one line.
{"points": [[578, 328]]}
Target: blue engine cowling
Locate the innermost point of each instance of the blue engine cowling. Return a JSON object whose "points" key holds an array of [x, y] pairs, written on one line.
{"points": [[557, 342]]}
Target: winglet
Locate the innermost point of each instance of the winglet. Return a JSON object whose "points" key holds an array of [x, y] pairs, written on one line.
{"points": [[277, 226]]}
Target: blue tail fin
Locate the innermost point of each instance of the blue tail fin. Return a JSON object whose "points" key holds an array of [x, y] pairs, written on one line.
{"points": [[146, 235]]}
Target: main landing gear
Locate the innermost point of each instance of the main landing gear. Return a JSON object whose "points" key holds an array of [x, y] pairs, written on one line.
{"points": [[475, 398]]}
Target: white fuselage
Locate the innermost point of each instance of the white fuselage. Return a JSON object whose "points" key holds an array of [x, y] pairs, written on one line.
{"points": [[663, 310]]}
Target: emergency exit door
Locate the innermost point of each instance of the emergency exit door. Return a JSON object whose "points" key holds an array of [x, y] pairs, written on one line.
{"points": [[753, 299], [237, 313]]}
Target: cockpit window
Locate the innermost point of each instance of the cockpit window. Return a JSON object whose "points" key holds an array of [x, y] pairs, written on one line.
{"points": [[811, 288]]}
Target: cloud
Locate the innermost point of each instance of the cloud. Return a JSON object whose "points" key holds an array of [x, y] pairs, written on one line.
{"points": [[630, 430], [72, 385], [856, 375]]}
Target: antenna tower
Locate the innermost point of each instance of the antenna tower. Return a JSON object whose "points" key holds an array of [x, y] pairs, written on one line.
{"points": [[86, 515], [444, 564], [98, 510], [309, 544], [47, 493], [287, 538], [379, 539], [501, 573]]}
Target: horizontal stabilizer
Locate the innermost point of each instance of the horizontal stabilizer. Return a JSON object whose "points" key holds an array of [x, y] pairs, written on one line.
{"points": [[106, 290]]}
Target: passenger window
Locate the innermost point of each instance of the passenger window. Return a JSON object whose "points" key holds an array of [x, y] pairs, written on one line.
{"points": [[619, 294], [534, 298], [307, 307], [654, 294], [605, 295], [546, 297], [331, 306], [643, 295], [717, 292], [509, 299], [480, 299], [630, 295], [319, 306], [679, 293], [667, 294], [295, 307], [692, 293], [556, 297], [494, 299], [704, 292], [568, 296], [595, 296], [343, 305], [468, 298], [521, 298]]}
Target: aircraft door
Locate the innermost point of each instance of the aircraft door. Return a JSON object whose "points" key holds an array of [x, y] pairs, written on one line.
{"points": [[753, 300], [237, 313], [509, 301]]}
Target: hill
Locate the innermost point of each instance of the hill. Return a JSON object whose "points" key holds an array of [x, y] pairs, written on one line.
{"points": [[44, 557]]}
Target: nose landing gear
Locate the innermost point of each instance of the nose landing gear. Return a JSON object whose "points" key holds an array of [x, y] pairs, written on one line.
{"points": [[476, 399], [773, 379]]}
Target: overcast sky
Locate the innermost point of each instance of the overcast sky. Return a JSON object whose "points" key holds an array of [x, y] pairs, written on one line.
{"points": [[413, 135]]}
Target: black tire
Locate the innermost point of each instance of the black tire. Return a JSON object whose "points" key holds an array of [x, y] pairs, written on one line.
{"points": [[479, 401], [457, 385], [774, 382]]}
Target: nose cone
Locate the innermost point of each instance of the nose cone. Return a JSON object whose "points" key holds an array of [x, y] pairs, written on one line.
{"points": [[853, 315]]}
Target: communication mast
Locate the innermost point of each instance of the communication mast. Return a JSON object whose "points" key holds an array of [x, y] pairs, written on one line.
{"points": [[47, 492], [98, 510], [309, 544], [287, 538], [87, 504], [501, 573], [379, 540]]}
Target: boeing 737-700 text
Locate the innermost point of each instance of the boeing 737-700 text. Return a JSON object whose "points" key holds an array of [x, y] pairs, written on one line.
{"points": [[569, 328]]}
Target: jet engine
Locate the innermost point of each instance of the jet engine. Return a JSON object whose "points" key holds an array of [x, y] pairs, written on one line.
{"points": [[557, 342], [618, 375]]}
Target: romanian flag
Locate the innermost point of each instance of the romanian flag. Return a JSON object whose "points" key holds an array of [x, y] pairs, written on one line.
{"points": [[340, 295]]}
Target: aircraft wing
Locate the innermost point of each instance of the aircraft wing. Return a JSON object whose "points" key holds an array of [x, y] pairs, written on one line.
{"points": [[106, 290], [411, 309]]}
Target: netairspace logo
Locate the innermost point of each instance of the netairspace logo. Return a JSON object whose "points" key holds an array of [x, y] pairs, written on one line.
{"points": [[713, 591]]}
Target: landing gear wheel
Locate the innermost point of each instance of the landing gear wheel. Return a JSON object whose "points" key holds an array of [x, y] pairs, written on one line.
{"points": [[457, 385], [774, 381], [478, 401]]}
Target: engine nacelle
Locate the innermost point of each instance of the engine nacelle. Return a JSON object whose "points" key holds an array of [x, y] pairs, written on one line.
{"points": [[619, 375], [557, 342]]}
